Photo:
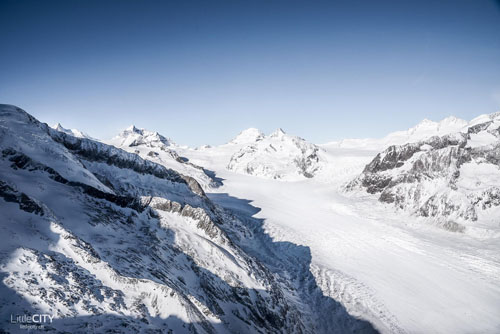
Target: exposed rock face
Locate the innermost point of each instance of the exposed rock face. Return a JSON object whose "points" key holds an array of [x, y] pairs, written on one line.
{"points": [[278, 156], [9, 194], [453, 177]]}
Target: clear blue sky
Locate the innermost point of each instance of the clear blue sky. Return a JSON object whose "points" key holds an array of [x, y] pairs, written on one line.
{"points": [[199, 72]]}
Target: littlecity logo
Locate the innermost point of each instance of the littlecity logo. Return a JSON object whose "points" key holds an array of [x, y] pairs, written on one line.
{"points": [[31, 321]]}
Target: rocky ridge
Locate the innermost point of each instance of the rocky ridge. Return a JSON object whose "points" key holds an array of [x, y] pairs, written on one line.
{"points": [[452, 178]]}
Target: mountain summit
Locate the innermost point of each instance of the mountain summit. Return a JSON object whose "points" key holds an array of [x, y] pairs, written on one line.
{"points": [[133, 136], [71, 132], [249, 135]]}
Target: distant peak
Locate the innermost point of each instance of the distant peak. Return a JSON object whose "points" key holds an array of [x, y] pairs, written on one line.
{"points": [[134, 136], [72, 132], [426, 121], [132, 128], [278, 133], [57, 126], [250, 130], [247, 136], [452, 119]]}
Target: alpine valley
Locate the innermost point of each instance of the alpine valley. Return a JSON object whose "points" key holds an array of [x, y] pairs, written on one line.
{"points": [[264, 234]]}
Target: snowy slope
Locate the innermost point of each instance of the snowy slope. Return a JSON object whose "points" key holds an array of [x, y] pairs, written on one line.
{"points": [[276, 156], [71, 132]]}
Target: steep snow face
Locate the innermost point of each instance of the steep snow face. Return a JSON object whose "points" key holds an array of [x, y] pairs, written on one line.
{"points": [[278, 156], [248, 136], [104, 240], [421, 131], [71, 132], [157, 148], [454, 178]]}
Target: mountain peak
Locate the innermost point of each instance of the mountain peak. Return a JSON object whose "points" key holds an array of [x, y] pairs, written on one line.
{"points": [[248, 136], [71, 132], [278, 133], [132, 128], [134, 136], [428, 128]]}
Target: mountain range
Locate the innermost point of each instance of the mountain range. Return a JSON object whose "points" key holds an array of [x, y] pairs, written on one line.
{"points": [[264, 234]]}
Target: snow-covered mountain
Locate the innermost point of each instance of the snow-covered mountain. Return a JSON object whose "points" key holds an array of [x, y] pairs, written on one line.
{"points": [[133, 136], [452, 178], [106, 241], [423, 130], [276, 156], [159, 149]]}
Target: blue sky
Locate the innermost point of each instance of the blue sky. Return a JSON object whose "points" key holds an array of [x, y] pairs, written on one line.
{"points": [[200, 72]]}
